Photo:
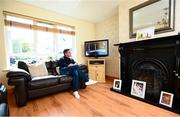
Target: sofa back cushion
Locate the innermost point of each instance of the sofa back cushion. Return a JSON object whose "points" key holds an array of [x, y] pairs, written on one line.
{"points": [[38, 69], [23, 65], [51, 67]]}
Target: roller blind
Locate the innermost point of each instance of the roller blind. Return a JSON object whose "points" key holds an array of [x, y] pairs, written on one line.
{"points": [[21, 21]]}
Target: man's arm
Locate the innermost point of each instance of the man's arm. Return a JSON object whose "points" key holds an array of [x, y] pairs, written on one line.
{"points": [[72, 63], [62, 63]]}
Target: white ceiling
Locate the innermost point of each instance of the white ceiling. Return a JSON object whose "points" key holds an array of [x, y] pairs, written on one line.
{"points": [[89, 10]]}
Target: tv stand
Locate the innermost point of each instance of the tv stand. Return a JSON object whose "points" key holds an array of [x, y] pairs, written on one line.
{"points": [[96, 69], [96, 57]]}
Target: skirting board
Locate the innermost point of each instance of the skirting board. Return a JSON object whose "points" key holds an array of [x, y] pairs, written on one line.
{"points": [[111, 77]]}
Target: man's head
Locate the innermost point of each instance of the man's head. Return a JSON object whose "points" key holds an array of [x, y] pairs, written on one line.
{"points": [[67, 53]]}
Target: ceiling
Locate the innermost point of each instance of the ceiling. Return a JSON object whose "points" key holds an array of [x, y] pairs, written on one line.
{"points": [[88, 10]]}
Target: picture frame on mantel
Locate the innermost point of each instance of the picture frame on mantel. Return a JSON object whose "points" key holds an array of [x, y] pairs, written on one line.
{"points": [[153, 13], [146, 33]]}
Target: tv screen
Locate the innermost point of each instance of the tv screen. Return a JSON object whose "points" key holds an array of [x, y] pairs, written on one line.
{"points": [[99, 48]]}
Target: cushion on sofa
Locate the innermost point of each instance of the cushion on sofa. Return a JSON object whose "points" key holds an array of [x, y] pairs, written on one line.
{"points": [[57, 70], [37, 70], [51, 67], [44, 81], [65, 79], [23, 65]]}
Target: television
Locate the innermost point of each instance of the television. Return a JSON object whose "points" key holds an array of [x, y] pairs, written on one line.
{"points": [[97, 48]]}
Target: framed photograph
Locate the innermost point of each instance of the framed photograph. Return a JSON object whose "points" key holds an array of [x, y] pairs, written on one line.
{"points": [[166, 99], [138, 88], [117, 84], [145, 33]]}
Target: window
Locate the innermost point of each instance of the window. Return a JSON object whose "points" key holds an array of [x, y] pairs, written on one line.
{"points": [[65, 41], [30, 40]]}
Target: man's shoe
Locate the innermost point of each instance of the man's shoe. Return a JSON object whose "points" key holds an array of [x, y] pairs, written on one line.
{"points": [[90, 82], [76, 94]]}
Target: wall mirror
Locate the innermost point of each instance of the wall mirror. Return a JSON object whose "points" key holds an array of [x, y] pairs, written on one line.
{"points": [[153, 13]]}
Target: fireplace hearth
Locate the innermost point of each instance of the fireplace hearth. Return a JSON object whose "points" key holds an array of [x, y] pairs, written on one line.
{"points": [[156, 62]]}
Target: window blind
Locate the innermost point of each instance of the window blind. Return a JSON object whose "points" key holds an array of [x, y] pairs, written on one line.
{"points": [[54, 27]]}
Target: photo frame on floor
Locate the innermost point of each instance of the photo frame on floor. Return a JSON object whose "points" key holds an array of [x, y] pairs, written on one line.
{"points": [[138, 88], [166, 99], [117, 84]]}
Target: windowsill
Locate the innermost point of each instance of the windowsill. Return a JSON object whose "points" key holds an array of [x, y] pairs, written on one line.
{"points": [[10, 68]]}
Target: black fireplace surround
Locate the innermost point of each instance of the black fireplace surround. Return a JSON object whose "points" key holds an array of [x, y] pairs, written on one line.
{"points": [[155, 61]]}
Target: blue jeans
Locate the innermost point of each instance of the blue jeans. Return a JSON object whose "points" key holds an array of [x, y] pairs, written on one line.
{"points": [[76, 73]]}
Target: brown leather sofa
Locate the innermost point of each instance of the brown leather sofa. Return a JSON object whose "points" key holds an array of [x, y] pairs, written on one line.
{"points": [[27, 88]]}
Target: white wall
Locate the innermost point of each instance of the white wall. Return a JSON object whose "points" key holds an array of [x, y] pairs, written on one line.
{"points": [[124, 7], [109, 29]]}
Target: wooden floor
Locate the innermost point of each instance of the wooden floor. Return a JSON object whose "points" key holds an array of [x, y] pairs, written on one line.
{"points": [[96, 100]]}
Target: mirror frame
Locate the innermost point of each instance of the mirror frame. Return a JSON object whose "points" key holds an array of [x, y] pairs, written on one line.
{"points": [[171, 16]]}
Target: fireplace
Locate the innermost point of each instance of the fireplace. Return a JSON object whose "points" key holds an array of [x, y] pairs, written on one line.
{"points": [[156, 62], [151, 71]]}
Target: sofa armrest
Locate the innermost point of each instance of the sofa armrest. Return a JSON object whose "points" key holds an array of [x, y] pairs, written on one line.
{"points": [[18, 73], [84, 68], [20, 89], [19, 78]]}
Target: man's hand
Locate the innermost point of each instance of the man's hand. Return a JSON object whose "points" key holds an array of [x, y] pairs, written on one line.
{"points": [[71, 65]]}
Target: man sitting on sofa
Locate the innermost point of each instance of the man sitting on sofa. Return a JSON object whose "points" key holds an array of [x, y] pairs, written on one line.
{"points": [[69, 67]]}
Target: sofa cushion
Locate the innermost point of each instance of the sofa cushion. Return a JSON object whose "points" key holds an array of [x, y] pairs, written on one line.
{"points": [[44, 81], [37, 70], [23, 65], [65, 79], [58, 71], [51, 67]]}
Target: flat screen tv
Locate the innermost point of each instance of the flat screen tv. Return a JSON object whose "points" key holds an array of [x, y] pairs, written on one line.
{"points": [[98, 48]]}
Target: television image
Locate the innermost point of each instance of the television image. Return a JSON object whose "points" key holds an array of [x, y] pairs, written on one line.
{"points": [[98, 48]]}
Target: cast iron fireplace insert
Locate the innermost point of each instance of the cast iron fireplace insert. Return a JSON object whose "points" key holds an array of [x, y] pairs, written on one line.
{"points": [[156, 62]]}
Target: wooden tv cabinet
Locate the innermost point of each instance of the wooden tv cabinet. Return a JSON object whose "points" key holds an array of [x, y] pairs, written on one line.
{"points": [[96, 69]]}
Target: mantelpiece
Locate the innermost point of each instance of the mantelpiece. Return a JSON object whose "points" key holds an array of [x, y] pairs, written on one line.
{"points": [[156, 62]]}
